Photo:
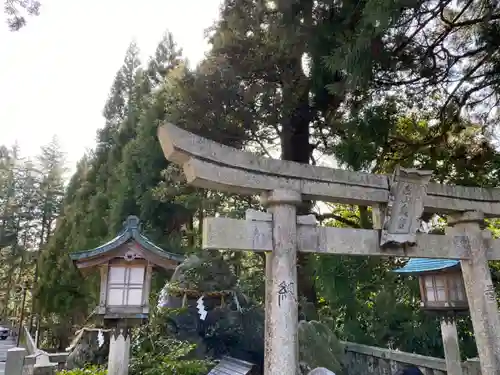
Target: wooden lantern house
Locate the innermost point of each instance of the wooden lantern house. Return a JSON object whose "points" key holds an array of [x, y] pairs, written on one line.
{"points": [[442, 287], [126, 264]]}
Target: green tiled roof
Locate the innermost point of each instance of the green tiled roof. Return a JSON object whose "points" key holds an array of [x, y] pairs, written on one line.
{"points": [[131, 231]]}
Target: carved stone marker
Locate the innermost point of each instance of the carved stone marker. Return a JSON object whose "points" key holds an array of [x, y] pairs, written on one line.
{"points": [[280, 233], [408, 189]]}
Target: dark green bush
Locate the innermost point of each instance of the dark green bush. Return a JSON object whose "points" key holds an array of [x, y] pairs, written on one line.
{"points": [[88, 370], [155, 353]]}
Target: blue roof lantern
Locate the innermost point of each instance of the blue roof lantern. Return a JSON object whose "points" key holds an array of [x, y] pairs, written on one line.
{"points": [[131, 234], [420, 265]]}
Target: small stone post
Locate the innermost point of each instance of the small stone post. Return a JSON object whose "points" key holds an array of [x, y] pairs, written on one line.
{"points": [[472, 366], [42, 365], [15, 361], [451, 347], [281, 345], [119, 351], [468, 234]]}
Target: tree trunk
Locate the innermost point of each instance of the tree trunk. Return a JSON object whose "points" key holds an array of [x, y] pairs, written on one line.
{"points": [[295, 146]]}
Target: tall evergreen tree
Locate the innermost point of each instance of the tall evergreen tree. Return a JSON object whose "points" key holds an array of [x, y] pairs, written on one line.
{"points": [[52, 168]]}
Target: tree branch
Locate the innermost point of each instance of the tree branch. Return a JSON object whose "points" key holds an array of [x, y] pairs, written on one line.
{"points": [[339, 218]]}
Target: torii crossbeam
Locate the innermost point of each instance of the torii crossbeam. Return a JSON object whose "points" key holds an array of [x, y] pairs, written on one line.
{"points": [[281, 233], [210, 165]]}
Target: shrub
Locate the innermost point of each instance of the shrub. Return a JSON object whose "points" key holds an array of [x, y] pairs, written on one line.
{"points": [[155, 353], [168, 358], [87, 370]]}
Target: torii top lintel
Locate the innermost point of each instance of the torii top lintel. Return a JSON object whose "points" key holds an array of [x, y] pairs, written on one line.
{"points": [[208, 164], [129, 240]]}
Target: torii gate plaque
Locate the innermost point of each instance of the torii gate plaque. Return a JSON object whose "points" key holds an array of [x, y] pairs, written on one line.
{"points": [[281, 233]]}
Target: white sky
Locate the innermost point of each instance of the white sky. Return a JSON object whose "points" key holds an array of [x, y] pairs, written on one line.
{"points": [[55, 73]]}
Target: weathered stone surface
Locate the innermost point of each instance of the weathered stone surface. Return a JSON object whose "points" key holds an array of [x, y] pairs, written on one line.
{"points": [[451, 347], [369, 360], [210, 165], [43, 366], [256, 235], [281, 341], [15, 361], [319, 347], [85, 348], [479, 288], [181, 146], [408, 189], [203, 274], [119, 353]]}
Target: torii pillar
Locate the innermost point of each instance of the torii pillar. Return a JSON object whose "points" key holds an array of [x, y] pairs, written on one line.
{"points": [[281, 336], [466, 228]]}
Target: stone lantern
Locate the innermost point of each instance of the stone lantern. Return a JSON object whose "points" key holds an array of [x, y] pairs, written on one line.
{"points": [[442, 293], [442, 289], [126, 264]]}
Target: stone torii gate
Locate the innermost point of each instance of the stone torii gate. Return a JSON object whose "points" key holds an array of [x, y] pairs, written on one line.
{"points": [[398, 202]]}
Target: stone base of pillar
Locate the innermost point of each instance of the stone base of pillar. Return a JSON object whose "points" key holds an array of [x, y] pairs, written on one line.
{"points": [[119, 352]]}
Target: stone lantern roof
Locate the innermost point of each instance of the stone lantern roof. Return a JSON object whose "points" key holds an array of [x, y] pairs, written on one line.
{"points": [[129, 241]]}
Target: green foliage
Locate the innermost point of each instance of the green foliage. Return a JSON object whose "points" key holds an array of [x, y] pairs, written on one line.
{"points": [[154, 353], [318, 347], [169, 358], [117, 179], [354, 293], [31, 193], [88, 370]]}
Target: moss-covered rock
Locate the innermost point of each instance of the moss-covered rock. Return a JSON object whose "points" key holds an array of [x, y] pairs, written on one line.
{"points": [[87, 348], [319, 347], [234, 325]]}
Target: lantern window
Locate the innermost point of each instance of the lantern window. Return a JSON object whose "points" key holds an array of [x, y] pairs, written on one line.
{"points": [[125, 285]]}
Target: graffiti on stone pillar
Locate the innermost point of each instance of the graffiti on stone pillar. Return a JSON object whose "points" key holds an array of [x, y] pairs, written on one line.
{"points": [[489, 292], [285, 290]]}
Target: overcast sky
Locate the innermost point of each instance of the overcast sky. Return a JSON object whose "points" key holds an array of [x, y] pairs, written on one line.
{"points": [[56, 72]]}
